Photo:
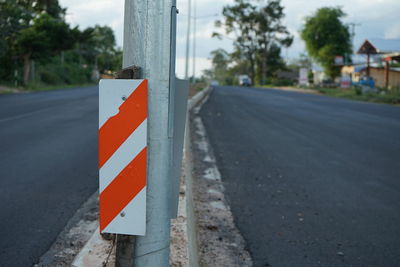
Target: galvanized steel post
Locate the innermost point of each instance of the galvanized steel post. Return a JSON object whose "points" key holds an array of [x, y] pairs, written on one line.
{"points": [[149, 44], [188, 40]]}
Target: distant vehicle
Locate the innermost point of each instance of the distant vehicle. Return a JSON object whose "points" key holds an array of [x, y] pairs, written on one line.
{"points": [[367, 85], [244, 80], [214, 83], [367, 81]]}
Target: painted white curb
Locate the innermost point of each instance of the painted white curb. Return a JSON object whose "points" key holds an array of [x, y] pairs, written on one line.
{"points": [[95, 253]]}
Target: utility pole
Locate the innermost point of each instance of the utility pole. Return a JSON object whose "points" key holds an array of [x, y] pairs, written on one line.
{"points": [[188, 40], [352, 34], [149, 43], [353, 31], [194, 38]]}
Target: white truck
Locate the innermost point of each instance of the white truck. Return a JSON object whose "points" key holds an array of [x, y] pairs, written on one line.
{"points": [[244, 80]]}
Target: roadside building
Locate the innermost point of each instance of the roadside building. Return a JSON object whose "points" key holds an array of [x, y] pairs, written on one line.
{"points": [[381, 54]]}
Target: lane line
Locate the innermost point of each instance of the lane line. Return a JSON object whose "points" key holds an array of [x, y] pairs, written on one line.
{"points": [[25, 115]]}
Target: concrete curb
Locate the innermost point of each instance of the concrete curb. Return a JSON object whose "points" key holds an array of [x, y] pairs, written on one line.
{"points": [[220, 242], [96, 252], [99, 252], [199, 98], [194, 100]]}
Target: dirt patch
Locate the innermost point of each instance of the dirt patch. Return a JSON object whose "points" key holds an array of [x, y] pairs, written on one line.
{"points": [[179, 255], [75, 235], [9, 90]]}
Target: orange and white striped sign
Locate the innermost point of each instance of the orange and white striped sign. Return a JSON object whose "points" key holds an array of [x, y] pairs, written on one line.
{"points": [[122, 156]]}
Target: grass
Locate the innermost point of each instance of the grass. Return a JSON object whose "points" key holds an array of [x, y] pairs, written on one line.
{"points": [[195, 88], [383, 96], [45, 87], [36, 87]]}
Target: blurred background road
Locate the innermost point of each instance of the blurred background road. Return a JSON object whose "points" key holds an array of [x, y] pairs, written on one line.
{"points": [[48, 167], [311, 180]]}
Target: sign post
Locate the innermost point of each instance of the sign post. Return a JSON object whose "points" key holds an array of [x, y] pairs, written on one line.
{"points": [[303, 77], [139, 137], [149, 43]]}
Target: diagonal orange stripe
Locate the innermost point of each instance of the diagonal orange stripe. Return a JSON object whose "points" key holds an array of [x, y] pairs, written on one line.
{"points": [[119, 127], [123, 189]]}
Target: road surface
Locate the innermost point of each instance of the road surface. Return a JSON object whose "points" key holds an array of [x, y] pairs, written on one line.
{"points": [[311, 180], [48, 167]]}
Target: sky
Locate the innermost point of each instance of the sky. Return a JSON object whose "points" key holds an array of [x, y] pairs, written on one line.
{"points": [[374, 19]]}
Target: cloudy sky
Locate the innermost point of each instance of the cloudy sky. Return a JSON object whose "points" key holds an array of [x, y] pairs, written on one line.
{"points": [[375, 19]]}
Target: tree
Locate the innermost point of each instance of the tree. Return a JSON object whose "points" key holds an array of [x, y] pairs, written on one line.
{"points": [[239, 21], [104, 47], [271, 35], [31, 29], [220, 66], [46, 36], [13, 18], [258, 31], [271, 58], [35, 30], [326, 36], [97, 46], [51, 7]]}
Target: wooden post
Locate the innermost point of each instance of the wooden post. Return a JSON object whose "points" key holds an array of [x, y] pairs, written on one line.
{"points": [[132, 72], [125, 245], [387, 70]]}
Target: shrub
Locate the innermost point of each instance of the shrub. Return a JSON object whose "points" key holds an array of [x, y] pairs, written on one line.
{"points": [[49, 77]]}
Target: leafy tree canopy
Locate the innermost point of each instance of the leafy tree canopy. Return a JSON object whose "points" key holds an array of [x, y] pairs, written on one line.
{"points": [[258, 34], [47, 34], [326, 36], [220, 60], [36, 30]]}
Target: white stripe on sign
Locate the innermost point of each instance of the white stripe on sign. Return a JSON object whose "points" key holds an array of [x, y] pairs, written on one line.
{"points": [[110, 101], [125, 153], [130, 216]]}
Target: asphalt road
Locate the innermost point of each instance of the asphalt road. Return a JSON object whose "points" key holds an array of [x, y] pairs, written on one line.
{"points": [[311, 180], [48, 167]]}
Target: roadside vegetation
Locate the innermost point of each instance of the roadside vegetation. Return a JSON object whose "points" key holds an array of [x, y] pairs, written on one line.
{"points": [[259, 35], [385, 96], [197, 86], [39, 50], [326, 37]]}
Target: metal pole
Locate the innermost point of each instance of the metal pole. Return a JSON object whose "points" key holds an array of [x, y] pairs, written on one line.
{"points": [[188, 40], [194, 39], [148, 44]]}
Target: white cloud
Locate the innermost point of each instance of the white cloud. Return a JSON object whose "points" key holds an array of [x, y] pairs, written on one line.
{"points": [[202, 63], [393, 31], [91, 12]]}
